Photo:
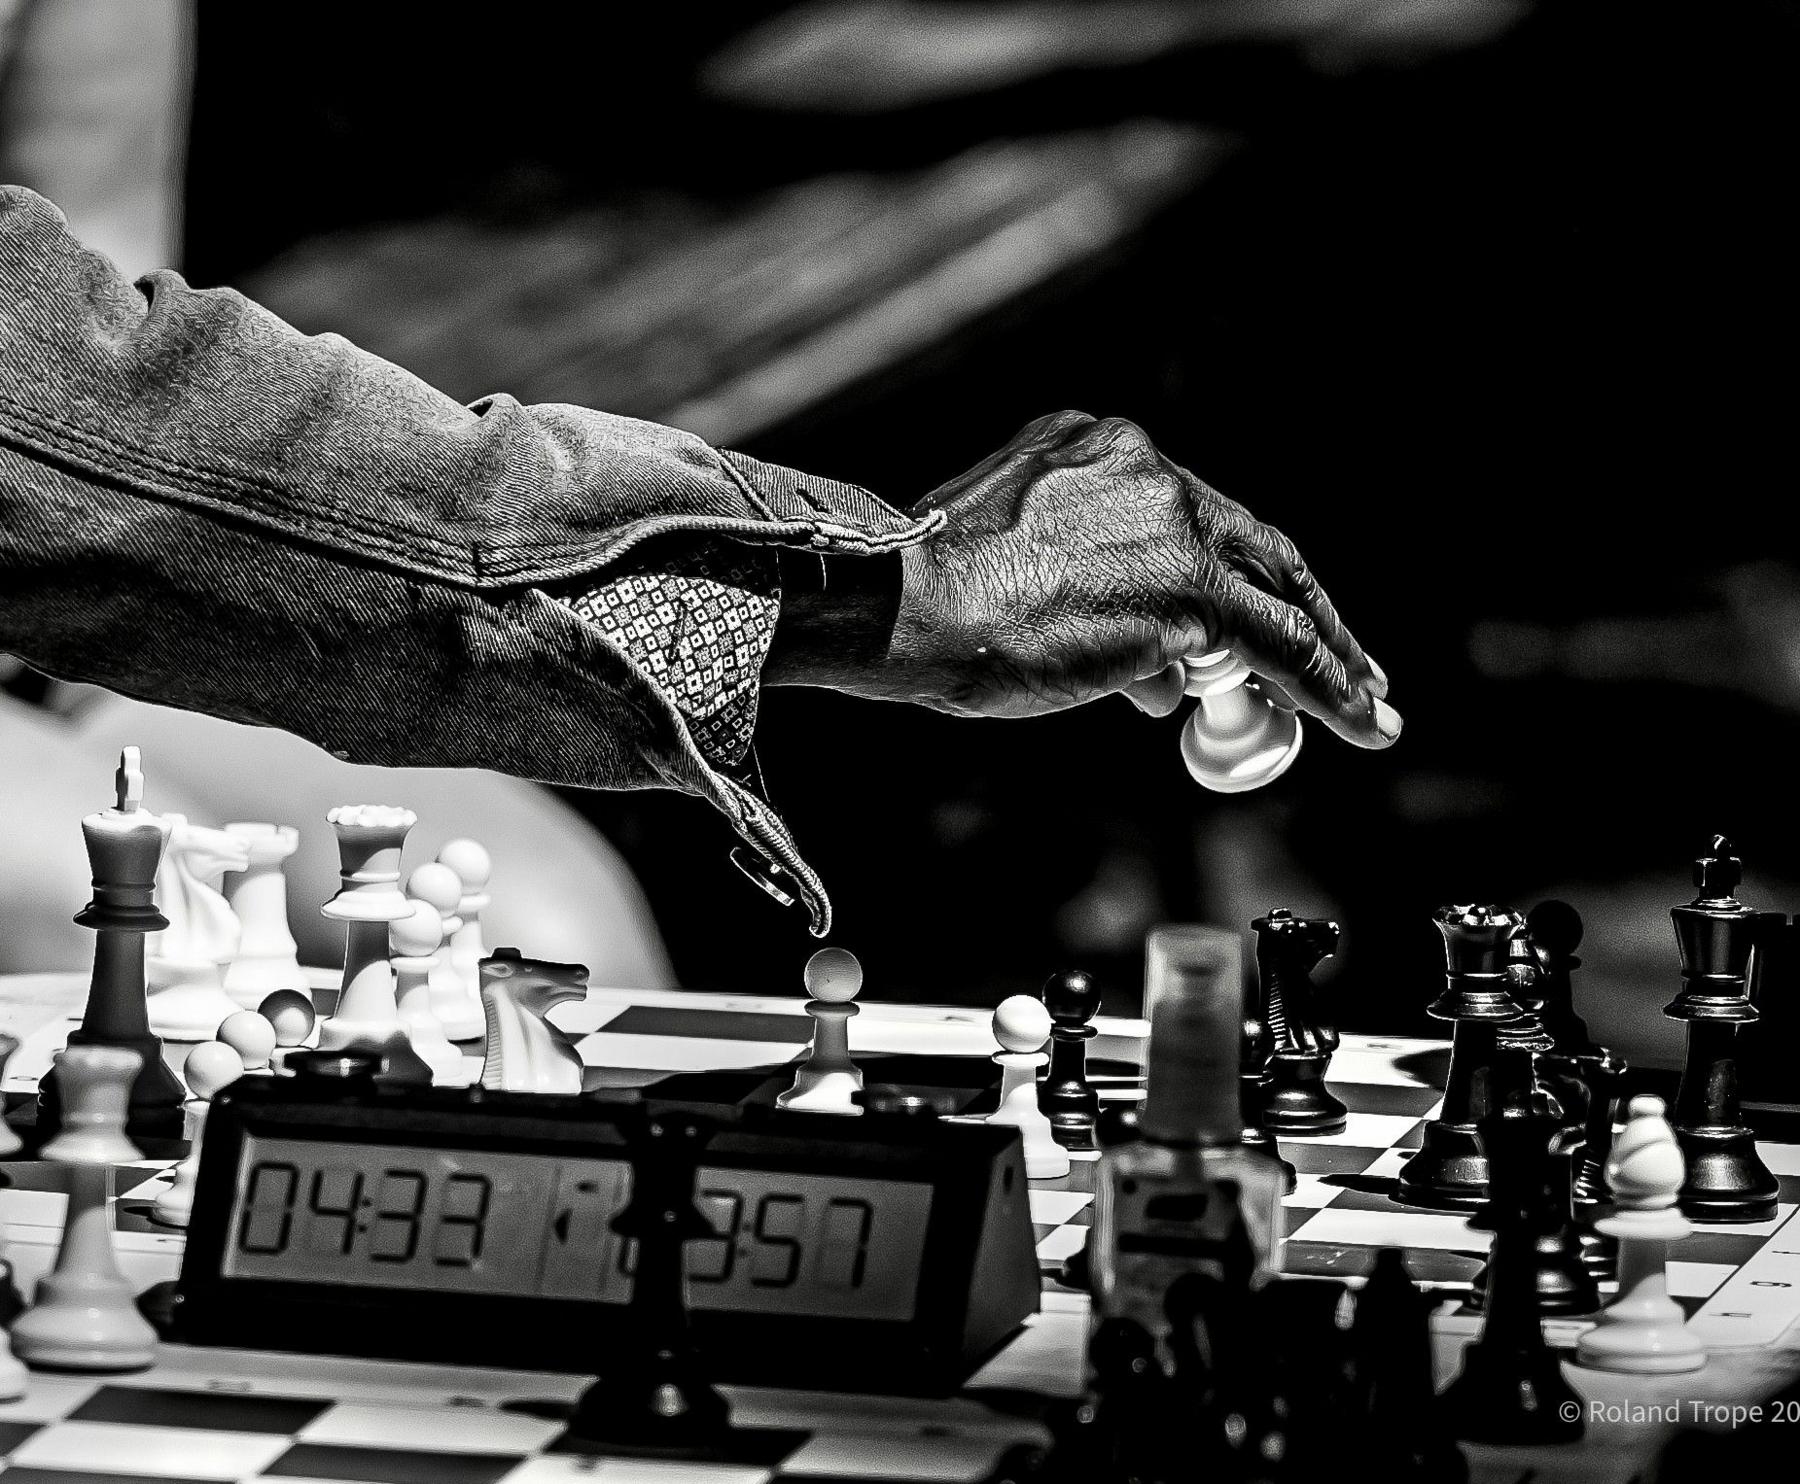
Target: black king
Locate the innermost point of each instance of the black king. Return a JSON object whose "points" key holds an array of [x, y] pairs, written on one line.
{"points": [[1716, 934]]}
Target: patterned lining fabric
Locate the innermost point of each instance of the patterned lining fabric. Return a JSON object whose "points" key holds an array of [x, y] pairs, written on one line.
{"points": [[698, 622]]}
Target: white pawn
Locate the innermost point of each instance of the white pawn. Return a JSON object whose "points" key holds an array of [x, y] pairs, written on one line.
{"points": [[85, 1315], [1236, 739], [1022, 1026], [210, 1066], [1643, 1332], [252, 1035], [266, 957], [827, 1081], [455, 1002], [415, 942], [470, 860], [175, 1206]]}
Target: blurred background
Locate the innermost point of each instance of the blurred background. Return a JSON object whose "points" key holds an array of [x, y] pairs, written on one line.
{"points": [[1488, 304]]}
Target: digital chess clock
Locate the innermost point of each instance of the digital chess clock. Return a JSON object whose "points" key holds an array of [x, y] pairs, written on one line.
{"points": [[474, 1227]]}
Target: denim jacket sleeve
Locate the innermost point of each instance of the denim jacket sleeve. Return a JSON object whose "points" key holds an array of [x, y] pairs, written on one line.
{"points": [[202, 507]]}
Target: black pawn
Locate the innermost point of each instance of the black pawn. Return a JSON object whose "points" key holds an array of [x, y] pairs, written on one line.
{"points": [[650, 1393], [1511, 1389], [1450, 1169], [1253, 1093], [1068, 1100], [1715, 934], [1300, 1040], [1555, 931], [1394, 1413]]}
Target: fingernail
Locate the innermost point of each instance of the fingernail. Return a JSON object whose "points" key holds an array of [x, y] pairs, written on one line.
{"points": [[1379, 673], [1387, 720]]}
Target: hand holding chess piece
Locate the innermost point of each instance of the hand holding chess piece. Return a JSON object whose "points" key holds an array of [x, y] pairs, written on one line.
{"points": [[1077, 563]]}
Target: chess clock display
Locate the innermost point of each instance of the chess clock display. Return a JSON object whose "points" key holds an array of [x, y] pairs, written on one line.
{"points": [[475, 1227]]}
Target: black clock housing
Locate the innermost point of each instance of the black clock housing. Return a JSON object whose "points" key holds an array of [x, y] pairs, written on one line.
{"points": [[472, 1227]]}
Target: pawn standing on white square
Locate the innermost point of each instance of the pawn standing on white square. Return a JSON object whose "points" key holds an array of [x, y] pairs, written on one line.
{"points": [[85, 1315], [416, 942], [367, 1017], [267, 959], [468, 946], [1022, 1027], [210, 1066], [1643, 1332], [454, 1000], [827, 1081]]}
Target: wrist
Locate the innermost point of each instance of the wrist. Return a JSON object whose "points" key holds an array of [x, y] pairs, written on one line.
{"points": [[837, 620]]}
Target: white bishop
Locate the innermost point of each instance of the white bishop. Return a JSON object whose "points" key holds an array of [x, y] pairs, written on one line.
{"points": [[1644, 1331]]}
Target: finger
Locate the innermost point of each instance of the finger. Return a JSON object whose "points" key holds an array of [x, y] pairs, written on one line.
{"points": [[1277, 694], [1039, 434], [1278, 640], [1269, 560], [1159, 694]]}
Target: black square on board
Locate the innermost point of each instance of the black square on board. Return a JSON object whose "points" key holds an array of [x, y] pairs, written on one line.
{"points": [[198, 1410], [391, 1465]]}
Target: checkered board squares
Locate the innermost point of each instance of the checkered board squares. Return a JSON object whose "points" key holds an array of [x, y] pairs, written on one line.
{"points": [[212, 1429]]}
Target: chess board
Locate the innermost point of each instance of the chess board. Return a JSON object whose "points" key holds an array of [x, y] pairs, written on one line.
{"points": [[249, 1415], [1740, 1284], [203, 1414]]}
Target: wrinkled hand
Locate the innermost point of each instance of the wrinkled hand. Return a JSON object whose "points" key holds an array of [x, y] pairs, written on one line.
{"points": [[1077, 563]]}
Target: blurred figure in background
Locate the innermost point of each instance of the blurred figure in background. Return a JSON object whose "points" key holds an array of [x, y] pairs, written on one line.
{"points": [[94, 100]]}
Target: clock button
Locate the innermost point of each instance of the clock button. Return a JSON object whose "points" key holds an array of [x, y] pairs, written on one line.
{"points": [[896, 1102], [353, 1071]]}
